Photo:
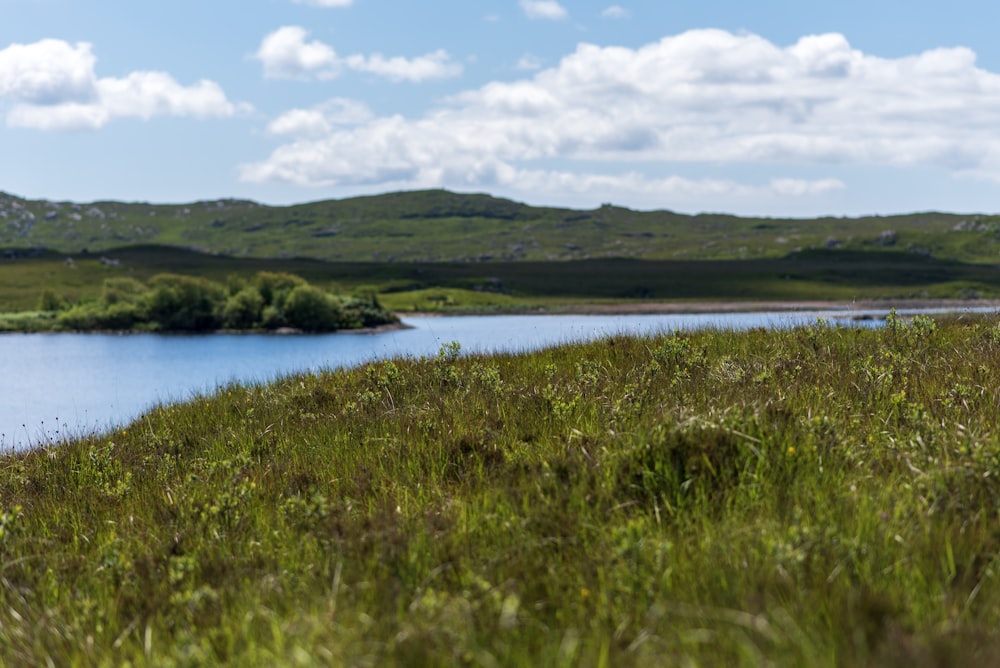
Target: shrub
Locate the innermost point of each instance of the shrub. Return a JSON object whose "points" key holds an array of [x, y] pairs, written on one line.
{"points": [[121, 289], [243, 309], [50, 301], [91, 316], [275, 287], [184, 303], [310, 309]]}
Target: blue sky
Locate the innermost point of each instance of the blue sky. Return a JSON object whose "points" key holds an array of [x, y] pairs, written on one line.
{"points": [[772, 107]]}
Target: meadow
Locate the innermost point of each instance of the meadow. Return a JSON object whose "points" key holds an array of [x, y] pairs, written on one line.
{"points": [[493, 287], [820, 496]]}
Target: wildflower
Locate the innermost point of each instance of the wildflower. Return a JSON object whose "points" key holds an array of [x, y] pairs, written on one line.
{"points": [[791, 450], [584, 593]]}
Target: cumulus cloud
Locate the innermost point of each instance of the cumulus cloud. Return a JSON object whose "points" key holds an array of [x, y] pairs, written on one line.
{"points": [[616, 12], [705, 96], [286, 54], [47, 71], [320, 120], [544, 9], [53, 85]]}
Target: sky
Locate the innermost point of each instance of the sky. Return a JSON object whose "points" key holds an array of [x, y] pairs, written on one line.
{"points": [[773, 107]]}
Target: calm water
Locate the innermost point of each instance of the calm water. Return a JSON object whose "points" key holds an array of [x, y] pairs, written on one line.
{"points": [[57, 385]]}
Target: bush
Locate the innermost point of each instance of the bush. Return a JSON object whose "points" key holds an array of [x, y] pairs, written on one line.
{"points": [[243, 309], [365, 312], [173, 302], [121, 289], [50, 301], [185, 303], [272, 318], [310, 309], [275, 287], [91, 316]]}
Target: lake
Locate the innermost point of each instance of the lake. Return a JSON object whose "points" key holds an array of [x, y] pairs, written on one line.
{"points": [[54, 386]]}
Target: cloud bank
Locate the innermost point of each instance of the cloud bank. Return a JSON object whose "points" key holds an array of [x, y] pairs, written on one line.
{"points": [[705, 96], [286, 54], [53, 86]]}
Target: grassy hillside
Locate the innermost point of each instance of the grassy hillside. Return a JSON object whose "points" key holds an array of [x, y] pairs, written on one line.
{"points": [[820, 497], [439, 226]]}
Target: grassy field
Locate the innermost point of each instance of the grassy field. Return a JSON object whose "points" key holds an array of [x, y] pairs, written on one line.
{"points": [[440, 226], [499, 286], [820, 497]]}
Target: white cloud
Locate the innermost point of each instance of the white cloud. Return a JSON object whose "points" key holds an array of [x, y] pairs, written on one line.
{"points": [[325, 3], [674, 187], [320, 120], [544, 9], [285, 54], [436, 65], [705, 96], [47, 71], [616, 12], [529, 62], [53, 85]]}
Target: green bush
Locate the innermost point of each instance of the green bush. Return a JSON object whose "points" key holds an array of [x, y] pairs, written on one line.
{"points": [[50, 301], [173, 302], [310, 309], [121, 289], [275, 287], [365, 312], [243, 310], [185, 303], [94, 316]]}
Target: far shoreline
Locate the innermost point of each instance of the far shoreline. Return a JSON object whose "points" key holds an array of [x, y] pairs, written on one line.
{"points": [[709, 307]]}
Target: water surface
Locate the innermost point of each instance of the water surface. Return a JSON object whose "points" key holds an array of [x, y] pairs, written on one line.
{"points": [[58, 385]]}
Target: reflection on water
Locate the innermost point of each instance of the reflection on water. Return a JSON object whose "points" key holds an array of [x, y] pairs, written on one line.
{"points": [[59, 385]]}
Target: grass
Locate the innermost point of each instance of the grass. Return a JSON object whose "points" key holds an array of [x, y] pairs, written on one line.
{"points": [[819, 496], [525, 285]]}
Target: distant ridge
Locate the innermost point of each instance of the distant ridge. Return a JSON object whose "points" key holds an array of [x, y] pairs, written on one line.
{"points": [[443, 226]]}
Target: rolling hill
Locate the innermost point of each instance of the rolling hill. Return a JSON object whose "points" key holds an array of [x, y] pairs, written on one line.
{"points": [[440, 226]]}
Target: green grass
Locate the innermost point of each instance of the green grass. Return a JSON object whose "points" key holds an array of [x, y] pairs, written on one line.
{"points": [[820, 497], [527, 285]]}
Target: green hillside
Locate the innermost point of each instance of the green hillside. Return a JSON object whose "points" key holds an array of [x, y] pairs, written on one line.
{"points": [[440, 226]]}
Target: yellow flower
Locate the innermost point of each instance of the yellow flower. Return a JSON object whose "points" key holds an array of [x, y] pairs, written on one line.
{"points": [[791, 450]]}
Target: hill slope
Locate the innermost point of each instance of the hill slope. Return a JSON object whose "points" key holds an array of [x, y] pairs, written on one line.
{"points": [[440, 226]]}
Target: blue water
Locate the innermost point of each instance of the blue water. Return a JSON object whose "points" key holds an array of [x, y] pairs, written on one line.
{"points": [[53, 386]]}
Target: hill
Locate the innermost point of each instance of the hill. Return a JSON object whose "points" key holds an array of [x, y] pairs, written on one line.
{"points": [[441, 226]]}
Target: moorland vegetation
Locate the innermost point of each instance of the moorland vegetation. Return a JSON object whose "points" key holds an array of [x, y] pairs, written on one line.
{"points": [[823, 496], [435, 226]]}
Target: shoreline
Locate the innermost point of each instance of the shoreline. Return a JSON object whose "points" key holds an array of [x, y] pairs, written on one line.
{"points": [[708, 307], [281, 331]]}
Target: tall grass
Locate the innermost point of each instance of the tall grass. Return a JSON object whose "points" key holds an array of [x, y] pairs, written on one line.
{"points": [[820, 496]]}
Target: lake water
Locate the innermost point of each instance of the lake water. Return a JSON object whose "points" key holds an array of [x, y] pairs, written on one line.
{"points": [[57, 385]]}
